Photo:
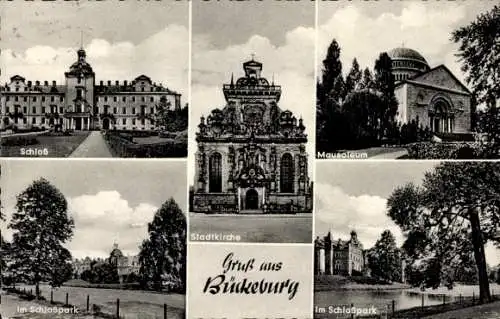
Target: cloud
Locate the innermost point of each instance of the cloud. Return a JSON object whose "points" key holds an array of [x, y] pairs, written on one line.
{"points": [[339, 212], [290, 64], [106, 217], [162, 56], [418, 25]]}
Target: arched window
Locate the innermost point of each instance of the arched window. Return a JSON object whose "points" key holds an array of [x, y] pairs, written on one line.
{"points": [[287, 174], [215, 173]]}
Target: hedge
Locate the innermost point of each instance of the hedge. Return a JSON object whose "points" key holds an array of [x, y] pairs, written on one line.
{"points": [[456, 150], [122, 145]]}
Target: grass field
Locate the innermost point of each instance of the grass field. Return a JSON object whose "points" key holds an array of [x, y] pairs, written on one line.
{"points": [[255, 228], [134, 304], [57, 146], [486, 311]]}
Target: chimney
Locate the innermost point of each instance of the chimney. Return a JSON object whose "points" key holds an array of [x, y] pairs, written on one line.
{"points": [[46, 83], [101, 83], [53, 83], [29, 83], [109, 83], [37, 83], [117, 83], [125, 82]]}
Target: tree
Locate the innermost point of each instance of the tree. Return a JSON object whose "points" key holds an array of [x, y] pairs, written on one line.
{"points": [[367, 80], [385, 258], [105, 273], [164, 252], [479, 52], [332, 70], [353, 79], [384, 82], [457, 204], [160, 117], [41, 226]]}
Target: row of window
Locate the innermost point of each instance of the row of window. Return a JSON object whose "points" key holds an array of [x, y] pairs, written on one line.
{"points": [[34, 98], [43, 120], [54, 109], [404, 64], [124, 98], [124, 110], [287, 177]]}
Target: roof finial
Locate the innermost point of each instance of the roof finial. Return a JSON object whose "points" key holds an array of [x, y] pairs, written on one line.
{"points": [[403, 44], [232, 79], [253, 56], [81, 39], [272, 83]]}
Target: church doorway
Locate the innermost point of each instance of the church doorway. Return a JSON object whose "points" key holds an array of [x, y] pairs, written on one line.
{"points": [[105, 124], [252, 199], [78, 124]]}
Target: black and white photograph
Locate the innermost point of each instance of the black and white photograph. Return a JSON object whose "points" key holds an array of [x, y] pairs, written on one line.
{"points": [[408, 80], [79, 82], [252, 122], [407, 239], [105, 242]]}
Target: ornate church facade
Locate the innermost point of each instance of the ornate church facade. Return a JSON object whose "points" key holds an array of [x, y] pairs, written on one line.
{"points": [[432, 97], [251, 155], [81, 104]]}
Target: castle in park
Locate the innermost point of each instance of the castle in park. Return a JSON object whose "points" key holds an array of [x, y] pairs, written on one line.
{"points": [[125, 265], [339, 257], [251, 155], [81, 104], [432, 97]]}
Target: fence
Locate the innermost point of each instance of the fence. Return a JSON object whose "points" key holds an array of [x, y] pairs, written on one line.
{"points": [[114, 310], [390, 309]]}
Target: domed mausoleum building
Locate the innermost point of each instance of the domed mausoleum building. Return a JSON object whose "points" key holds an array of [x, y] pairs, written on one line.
{"points": [[433, 97]]}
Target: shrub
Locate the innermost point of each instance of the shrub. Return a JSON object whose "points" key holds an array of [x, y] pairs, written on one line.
{"points": [[458, 150]]}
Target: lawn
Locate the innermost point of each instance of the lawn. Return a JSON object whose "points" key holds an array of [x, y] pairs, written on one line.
{"points": [[255, 228], [486, 311], [57, 146], [133, 303]]}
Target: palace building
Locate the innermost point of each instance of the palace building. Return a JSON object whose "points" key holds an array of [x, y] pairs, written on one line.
{"points": [[251, 155], [81, 104], [339, 257], [432, 97]]}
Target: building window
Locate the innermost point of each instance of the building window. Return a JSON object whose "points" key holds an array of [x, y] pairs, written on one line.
{"points": [[43, 109], [43, 120], [24, 120], [25, 110], [143, 99], [79, 93], [61, 99], [133, 121], [124, 110], [17, 89], [133, 110], [7, 98], [61, 109], [34, 99], [52, 99], [143, 122], [124, 121], [215, 173], [124, 99], [33, 120], [287, 174], [152, 110], [25, 99], [105, 99], [6, 109], [33, 110], [16, 98], [142, 89], [115, 98], [152, 99], [43, 98], [115, 110], [133, 98]]}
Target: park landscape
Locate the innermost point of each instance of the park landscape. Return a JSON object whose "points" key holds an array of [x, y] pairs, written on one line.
{"points": [[39, 271], [434, 232]]}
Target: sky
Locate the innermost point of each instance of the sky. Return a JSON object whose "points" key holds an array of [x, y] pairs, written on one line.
{"points": [[40, 39], [226, 34], [364, 29], [110, 200], [352, 195]]}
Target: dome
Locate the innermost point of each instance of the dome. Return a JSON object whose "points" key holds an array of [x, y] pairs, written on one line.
{"points": [[407, 63], [406, 53]]}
